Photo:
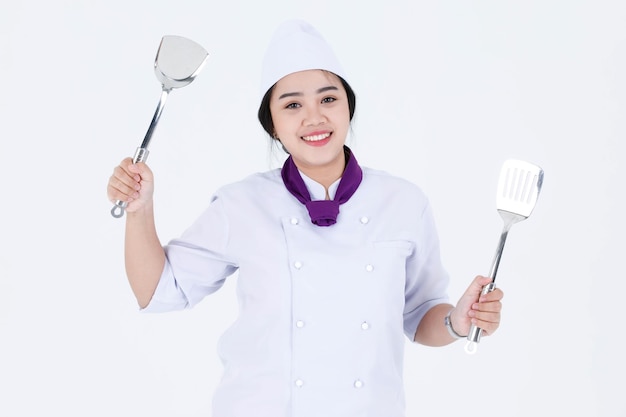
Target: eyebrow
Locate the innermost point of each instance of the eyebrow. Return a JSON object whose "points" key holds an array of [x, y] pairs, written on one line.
{"points": [[319, 91]]}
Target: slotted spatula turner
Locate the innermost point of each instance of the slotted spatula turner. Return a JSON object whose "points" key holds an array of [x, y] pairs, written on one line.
{"points": [[518, 189]]}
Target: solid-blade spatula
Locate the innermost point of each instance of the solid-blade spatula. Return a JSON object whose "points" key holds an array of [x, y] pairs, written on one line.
{"points": [[518, 189], [177, 63]]}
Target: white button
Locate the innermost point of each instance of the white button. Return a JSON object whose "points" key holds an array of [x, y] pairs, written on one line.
{"points": [[358, 383], [365, 325], [297, 264], [369, 268], [299, 383], [300, 324], [365, 220], [294, 221]]}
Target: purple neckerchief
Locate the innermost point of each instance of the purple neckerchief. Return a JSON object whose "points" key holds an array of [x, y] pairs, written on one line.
{"points": [[323, 212]]}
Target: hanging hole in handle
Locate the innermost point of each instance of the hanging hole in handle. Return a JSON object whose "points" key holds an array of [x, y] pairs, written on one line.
{"points": [[471, 347], [117, 211]]}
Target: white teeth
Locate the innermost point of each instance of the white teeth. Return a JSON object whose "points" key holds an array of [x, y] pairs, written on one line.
{"points": [[316, 138]]}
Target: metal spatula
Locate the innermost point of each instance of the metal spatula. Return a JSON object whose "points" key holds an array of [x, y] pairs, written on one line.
{"points": [[177, 63], [518, 189]]}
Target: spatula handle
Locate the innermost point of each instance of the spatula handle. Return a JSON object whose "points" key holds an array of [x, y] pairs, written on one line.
{"points": [[473, 336], [141, 154]]}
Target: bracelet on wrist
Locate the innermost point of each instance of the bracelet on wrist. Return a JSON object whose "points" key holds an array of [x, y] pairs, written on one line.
{"points": [[448, 324]]}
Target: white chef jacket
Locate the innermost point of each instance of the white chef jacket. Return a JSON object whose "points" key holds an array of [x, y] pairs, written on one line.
{"points": [[322, 309]]}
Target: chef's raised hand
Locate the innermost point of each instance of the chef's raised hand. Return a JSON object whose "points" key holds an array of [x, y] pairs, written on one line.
{"points": [[132, 183], [482, 310]]}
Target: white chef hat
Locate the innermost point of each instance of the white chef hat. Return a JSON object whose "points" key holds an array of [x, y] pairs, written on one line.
{"points": [[296, 46]]}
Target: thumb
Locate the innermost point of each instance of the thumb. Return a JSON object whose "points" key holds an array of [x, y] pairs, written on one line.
{"points": [[472, 293], [476, 286], [142, 170]]}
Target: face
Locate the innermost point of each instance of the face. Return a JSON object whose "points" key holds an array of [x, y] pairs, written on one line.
{"points": [[311, 118]]}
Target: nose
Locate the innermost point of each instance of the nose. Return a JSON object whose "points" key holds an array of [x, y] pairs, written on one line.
{"points": [[314, 116]]}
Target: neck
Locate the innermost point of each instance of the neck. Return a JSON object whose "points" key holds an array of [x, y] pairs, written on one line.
{"points": [[325, 175], [323, 212]]}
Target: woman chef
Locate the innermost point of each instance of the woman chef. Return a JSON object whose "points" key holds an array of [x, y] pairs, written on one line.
{"points": [[336, 262]]}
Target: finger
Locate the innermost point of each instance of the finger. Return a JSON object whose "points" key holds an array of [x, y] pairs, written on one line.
{"points": [[486, 320], [124, 180], [488, 326], [122, 185], [490, 307], [495, 295], [481, 318], [119, 191]]}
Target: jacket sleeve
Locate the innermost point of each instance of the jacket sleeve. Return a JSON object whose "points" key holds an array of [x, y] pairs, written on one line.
{"points": [[426, 279], [196, 264]]}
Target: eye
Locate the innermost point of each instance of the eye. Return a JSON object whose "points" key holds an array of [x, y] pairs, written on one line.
{"points": [[328, 99], [292, 106]]}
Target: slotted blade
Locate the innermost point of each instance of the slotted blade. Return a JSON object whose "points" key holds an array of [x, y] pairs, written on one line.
{"points": [[518, 187]]}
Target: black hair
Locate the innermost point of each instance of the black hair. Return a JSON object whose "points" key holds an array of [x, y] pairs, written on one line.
{"points": [[265, 116]]}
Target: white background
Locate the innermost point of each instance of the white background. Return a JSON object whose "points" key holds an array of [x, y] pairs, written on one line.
{"points": [[446, 92]]}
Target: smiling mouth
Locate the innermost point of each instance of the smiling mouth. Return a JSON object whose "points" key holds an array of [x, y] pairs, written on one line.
{"points": [[316, 138]]}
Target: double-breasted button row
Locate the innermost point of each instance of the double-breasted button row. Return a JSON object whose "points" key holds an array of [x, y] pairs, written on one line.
{"points": [[300, 324]]}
